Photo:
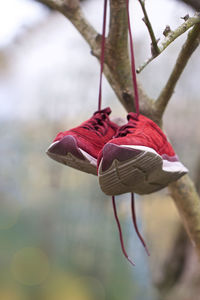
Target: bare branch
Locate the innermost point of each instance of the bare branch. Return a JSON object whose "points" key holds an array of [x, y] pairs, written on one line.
{"points": [[118, 62], [155, 50], [117, 56], [191, 21], [188, 204], [192, 42], [170, 37]]}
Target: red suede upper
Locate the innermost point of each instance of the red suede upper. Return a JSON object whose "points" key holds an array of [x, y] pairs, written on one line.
{"points": [[143, 132], [94, 133]]}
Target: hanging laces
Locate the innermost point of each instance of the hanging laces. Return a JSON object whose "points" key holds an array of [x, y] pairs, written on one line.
{"points": [[136, 100], [133, 69], [128, 127], [134, 117], [122, 132], [120, 231], [135, 223], [99, 122], [102, 53]]}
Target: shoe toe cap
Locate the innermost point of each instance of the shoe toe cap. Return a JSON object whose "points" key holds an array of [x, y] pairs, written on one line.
{"points": [[111, 152], [66, 145]]}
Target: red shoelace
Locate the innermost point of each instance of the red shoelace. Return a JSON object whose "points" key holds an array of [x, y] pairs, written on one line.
{"points": [[99, 124], [129, 127]]}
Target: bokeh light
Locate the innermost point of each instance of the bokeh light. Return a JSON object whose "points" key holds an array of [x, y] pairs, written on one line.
{"points": [[30, 266], [11, 292], [9, 212], [65, 286]]}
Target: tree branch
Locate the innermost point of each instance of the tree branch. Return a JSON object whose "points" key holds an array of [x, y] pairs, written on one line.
{"points": [[192, 42], [117, 63], [170, 37], [175, 263], [117, 59], [155, 50], [188, 205]]}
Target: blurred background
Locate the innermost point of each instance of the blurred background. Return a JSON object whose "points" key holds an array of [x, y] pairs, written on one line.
{"points": [[58, 237]]}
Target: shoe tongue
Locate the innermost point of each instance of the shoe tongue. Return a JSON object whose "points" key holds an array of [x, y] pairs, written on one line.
{"points": [[106, 110], [132, 116]]}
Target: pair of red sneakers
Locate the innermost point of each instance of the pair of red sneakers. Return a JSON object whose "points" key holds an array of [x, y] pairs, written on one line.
{"points": [[135, 157]]}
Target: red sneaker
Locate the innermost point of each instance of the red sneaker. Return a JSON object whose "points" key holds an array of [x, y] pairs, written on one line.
{"points": [[79, 147], [138, 159]]}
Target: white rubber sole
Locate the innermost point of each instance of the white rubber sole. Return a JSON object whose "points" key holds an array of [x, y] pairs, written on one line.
{"points": [[143, 173], [70, 154]]}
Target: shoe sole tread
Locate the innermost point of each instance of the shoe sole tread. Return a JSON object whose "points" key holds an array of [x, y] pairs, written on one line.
{"points": [[142, 174], [73, 156]]}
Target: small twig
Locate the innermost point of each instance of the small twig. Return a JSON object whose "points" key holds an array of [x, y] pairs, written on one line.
{"points": [[192, 42], [154, 42], [171, 36]]}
